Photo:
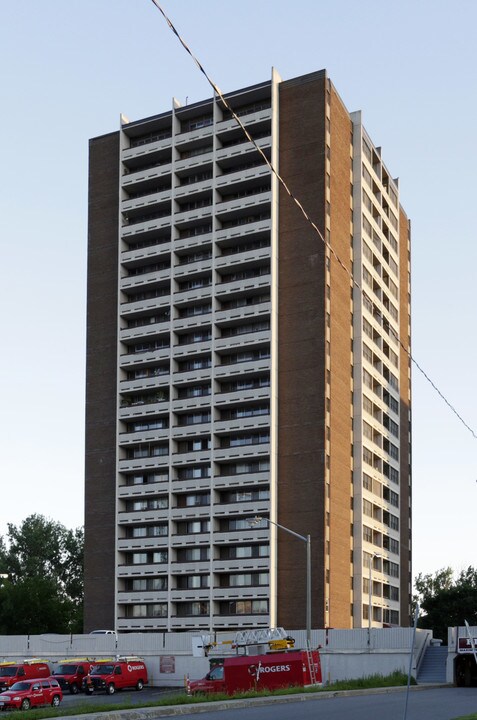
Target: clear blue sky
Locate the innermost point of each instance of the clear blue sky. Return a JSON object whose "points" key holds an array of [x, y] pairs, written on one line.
{"points": [[69, 69]]}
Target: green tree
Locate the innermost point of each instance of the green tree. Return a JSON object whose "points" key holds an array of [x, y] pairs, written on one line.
{"points": [[44, 588], [446, 601]]}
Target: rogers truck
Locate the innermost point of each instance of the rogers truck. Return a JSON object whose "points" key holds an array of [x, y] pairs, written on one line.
{"points": [[12, 672], [256, 672], [111, 675], [71, 672]]}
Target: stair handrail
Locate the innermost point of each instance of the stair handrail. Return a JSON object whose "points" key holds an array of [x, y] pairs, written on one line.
{"points": [[422, 650]]}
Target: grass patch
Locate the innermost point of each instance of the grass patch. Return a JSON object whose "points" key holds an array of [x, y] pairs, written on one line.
{"points": [[395, 679]]}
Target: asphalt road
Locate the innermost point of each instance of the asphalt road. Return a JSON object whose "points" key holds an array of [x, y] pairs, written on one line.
{"points": [[123, 696], [423, 704]]}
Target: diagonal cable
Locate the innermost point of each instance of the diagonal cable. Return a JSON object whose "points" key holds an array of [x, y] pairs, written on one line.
{"points": [[383, 320]]}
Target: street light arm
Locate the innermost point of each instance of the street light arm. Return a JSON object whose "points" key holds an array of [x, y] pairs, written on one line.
{"points": [[282, 527]]}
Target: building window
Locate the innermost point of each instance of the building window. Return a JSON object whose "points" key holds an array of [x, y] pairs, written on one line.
{"points": [[193, 499], [144, 584], [193, 471], [192, 582], [193, 554], [159, 503], [147, 610], [194, 418], [230, 524], [244, 580], [145, 531], [236, 552], [192, 609], [244, 607], [192, 527]]}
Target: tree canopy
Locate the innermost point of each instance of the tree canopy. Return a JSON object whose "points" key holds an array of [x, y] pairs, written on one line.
{"points": [[43, 590], [447, 601]]}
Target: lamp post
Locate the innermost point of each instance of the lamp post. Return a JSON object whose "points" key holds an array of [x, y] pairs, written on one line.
{"points": [[306, 539]]}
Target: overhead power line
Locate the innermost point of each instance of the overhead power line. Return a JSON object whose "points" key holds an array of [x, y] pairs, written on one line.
{"points": [[308, 219]]}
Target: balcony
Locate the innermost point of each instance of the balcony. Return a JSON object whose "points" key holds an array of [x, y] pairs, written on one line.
{"points": [[253, 394], [240, 151], [246, 340], [144, 436], [146, 383], [248, 258], [144, 463], [141, 624], [241, 621], [188, 376], [190, 513], [144, 331], [250, 120], [224, 482], [246, 203], [180, 431], [146, 153], [194, 162], [260, 172], [142, 516], [200, 266], [137, 281], [158, 172], [155, 543], [199, 402], [139, 491], [241, 565], [150, 357], [125, 571], [244, 452], [242, 368], [255, 422], [145, 201], [190, 594], [150, 252], [192, 322], [189, 138], [241, 593]]}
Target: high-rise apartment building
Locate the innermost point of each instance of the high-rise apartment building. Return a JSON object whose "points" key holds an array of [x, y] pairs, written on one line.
{"points": [[237, 367]]}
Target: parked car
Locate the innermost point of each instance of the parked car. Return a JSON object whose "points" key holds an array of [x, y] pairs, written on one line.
{"points": [[26, 694], [103, 632]]}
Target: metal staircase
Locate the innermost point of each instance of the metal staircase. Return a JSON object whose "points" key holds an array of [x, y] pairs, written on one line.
{"points": [[433, 666]]}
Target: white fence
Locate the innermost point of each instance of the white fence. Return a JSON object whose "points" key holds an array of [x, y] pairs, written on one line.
{"points": [[345, 654]]}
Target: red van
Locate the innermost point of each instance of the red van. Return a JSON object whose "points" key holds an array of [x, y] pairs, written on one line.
{"points": [[12, 672], [71, 672], [111, 675], [259, 672]]}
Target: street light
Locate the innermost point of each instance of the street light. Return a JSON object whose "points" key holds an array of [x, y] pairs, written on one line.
{"points": [[306, 539]]}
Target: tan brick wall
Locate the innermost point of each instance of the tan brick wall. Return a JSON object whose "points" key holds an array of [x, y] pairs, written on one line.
{"points": [[341, 369], [405, 389]]}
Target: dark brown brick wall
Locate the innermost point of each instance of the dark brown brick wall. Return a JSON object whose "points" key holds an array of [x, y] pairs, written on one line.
{"points": [[301, 331], [100, 455], [405, 461], [341, 368]]}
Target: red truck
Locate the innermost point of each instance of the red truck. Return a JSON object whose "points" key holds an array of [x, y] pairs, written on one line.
{"points": [[259, 672], [12, 672], [111, 675], [71, 672]]}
